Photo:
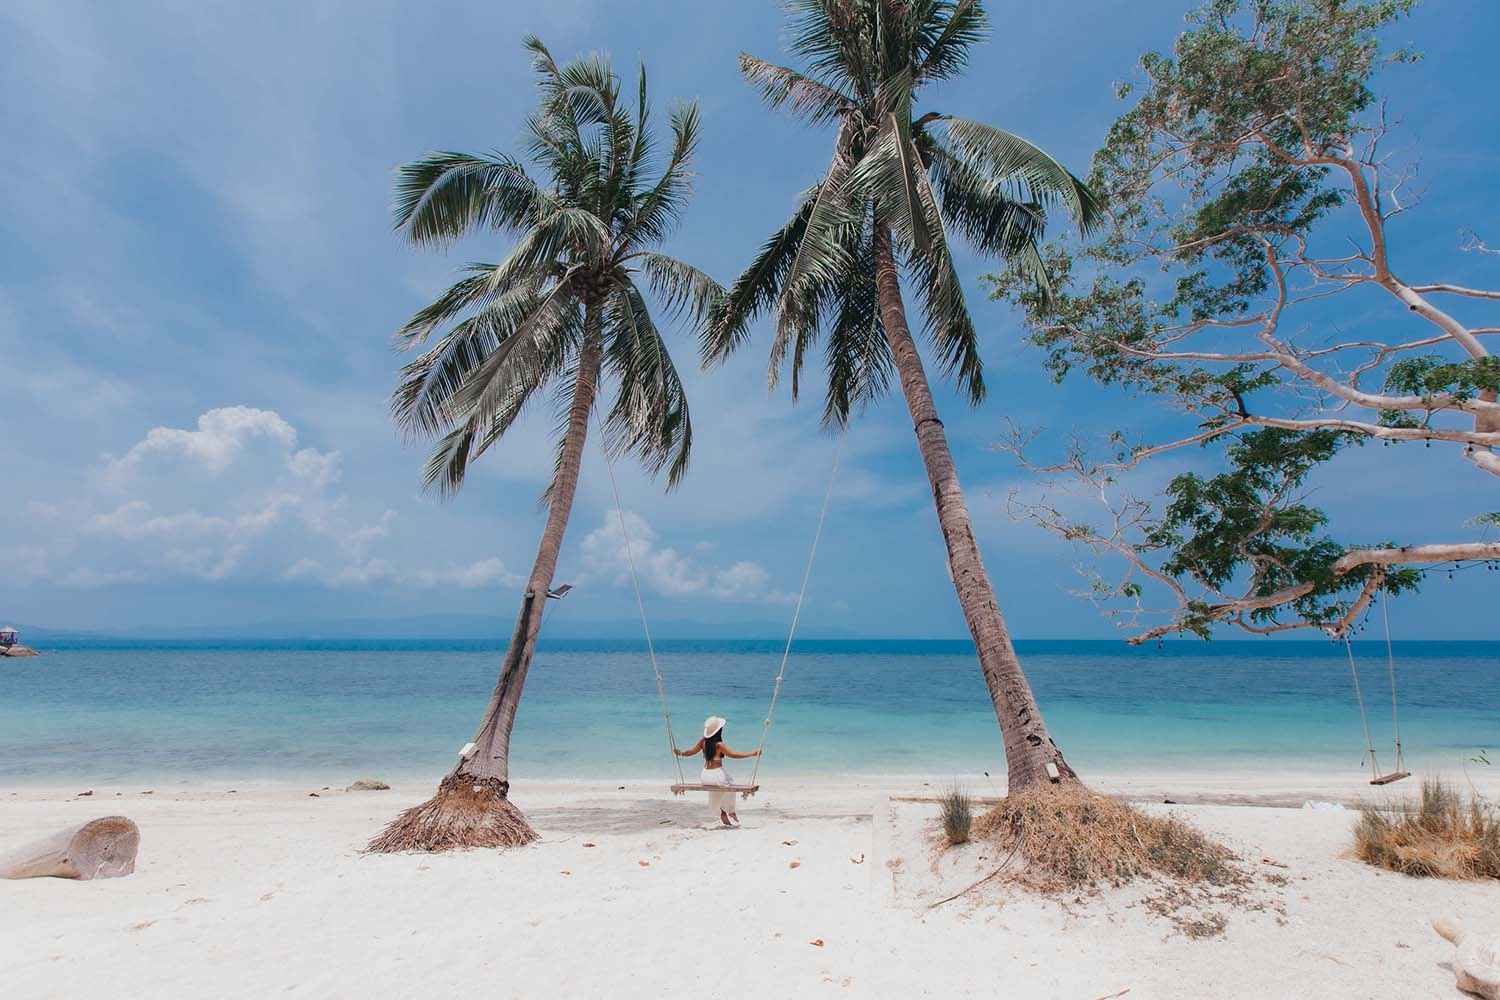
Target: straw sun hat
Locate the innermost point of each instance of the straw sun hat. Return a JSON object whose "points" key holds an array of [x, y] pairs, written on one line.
{"points": [[712, 725]]}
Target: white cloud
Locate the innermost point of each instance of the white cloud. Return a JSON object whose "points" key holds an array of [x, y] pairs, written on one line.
{"points": [[233, 497], [667, 571], [471, 576], [480, 573], [217, 443]]}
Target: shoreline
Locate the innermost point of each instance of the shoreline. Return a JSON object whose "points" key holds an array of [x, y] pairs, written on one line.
{"points": [[1286, 788]]}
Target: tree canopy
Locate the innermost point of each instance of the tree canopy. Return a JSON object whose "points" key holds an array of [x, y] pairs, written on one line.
{"points": [[1252, 205]]}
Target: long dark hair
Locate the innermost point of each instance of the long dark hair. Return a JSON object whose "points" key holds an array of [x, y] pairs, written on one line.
{"points": [[711, 745]]}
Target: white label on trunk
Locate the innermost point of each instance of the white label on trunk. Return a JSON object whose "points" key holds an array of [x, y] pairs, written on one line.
{"points": [[468, 751], [1052, 771]]}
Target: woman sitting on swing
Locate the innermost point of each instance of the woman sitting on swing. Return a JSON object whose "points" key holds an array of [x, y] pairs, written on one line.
{"points": [[714, 752]]}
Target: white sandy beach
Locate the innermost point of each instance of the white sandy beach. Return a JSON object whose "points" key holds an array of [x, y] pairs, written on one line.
{"points": [[632, 893]]}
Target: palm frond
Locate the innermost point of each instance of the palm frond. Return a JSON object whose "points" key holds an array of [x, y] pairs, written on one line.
{"points": [[649, 417], [528, 355], [756, 289], [835, 39], [1007, 158], [888, 176], [680, 286], [803, 96], [960, 25], [822, 251], [422, 401], [447, 195], [658, 210], [448, 462], [858, 355], [948, 323]]}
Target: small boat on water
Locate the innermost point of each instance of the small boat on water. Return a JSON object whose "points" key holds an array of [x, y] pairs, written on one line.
{"points": [[10, 643]]}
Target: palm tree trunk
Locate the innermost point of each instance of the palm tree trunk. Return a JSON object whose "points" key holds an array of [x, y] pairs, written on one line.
{"points": [[490, 761], [472, 807], [1028, 745]]}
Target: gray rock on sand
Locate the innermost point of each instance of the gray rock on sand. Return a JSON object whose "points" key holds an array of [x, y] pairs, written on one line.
{"points": [[368, 785], [1476, 957]]}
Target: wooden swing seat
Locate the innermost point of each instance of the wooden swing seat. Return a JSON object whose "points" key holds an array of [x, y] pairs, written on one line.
{"points": [[1386, 779], [745, 790]]}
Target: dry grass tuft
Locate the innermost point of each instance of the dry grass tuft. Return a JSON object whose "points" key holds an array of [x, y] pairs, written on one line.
{"points": [[1443, 836], [1071, 838], [957, 807], [462, 814]]}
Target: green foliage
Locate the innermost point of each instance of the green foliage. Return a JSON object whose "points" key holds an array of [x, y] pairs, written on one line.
{"points": [[1219, 169], [1248, 522], [583, 236], [863, 65], [1431, 374]]}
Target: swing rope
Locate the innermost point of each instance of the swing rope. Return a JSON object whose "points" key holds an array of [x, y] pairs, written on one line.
{"points": [[1363, 719], [801, 596], [661, 691], [1390, 659]]}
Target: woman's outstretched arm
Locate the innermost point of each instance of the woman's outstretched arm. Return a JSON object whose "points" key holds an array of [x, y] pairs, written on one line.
{"points": [[688, 753], [738, 756]]}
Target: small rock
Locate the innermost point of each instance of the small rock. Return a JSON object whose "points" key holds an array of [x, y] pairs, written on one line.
{"points": [[313, 795], [84, 795], [587, 844], [368, 785], [816, 942], [794, 864], [644, 864]]}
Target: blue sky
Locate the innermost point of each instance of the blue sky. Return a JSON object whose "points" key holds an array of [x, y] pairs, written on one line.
{"points": [[198, 283]]}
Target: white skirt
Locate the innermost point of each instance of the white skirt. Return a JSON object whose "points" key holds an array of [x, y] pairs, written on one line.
{"points": [[718, 801]]}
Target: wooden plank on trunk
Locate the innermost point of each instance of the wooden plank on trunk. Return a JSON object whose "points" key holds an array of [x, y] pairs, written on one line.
{"points": [[100, 848]]}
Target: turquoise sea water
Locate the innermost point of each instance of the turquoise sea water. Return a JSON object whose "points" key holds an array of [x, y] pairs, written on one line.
{"points": [[101, 712]]}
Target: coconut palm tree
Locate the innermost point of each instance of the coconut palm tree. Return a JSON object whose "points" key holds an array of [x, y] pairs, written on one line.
{"points": [[883, 210], [562, 312]]}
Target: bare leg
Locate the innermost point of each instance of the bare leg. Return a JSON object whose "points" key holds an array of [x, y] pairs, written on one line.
{"points": [[724, 818]]}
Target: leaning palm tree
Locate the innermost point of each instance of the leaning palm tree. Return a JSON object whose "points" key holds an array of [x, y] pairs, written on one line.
{"points": [[564, 310], [895, 186]]}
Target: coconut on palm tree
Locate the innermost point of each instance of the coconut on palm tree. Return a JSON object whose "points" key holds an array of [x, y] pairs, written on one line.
{"points": [[563, 312], [881, 216]]}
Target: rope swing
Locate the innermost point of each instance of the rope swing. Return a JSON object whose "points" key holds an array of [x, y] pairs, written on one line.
{"points": [[1379, 777], [682, 785]]}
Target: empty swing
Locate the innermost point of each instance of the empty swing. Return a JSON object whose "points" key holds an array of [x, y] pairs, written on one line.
{"points": [[682, 786], [1399, 772]]}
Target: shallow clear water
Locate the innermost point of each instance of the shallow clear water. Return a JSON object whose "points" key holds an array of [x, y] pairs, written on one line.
{"points": [[206, 711]]}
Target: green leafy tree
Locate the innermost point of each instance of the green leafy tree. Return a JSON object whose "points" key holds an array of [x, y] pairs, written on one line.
{"points": [[881, 214], [562, 312], [1252, 213]]}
